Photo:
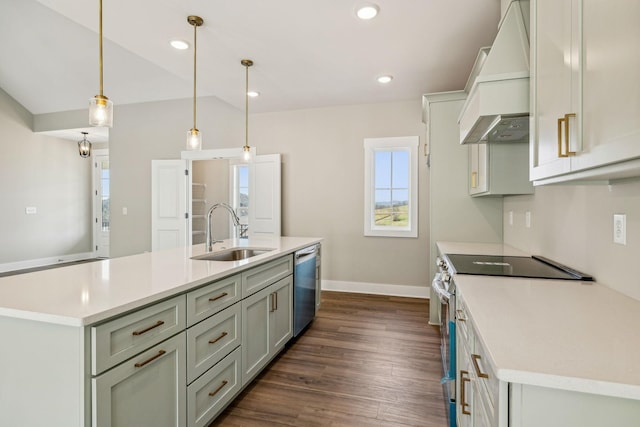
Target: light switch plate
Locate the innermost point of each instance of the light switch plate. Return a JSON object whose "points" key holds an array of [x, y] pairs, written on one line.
{"points": [[527, 219], [620, 229]]}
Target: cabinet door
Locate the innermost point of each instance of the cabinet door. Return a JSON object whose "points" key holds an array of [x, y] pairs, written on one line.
{"points": [[478, 173], [611, 66], [256, 343], [282, 313], [555, 85], [464, 390], [147, 390]]}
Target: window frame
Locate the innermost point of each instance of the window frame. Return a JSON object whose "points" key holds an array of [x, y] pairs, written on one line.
{"points": [[371, 146]]}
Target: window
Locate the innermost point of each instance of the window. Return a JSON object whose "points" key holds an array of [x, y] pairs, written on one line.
{"points": [[391, 187]]}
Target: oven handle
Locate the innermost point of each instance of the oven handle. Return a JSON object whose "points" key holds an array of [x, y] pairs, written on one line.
{"points": [[438, 286]]}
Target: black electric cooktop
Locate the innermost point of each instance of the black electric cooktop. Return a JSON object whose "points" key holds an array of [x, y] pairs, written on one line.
{"points": [[513, 266]]}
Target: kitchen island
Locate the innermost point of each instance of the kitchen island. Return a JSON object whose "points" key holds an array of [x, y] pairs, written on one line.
{"points": [[544, 352], [125, 341]]}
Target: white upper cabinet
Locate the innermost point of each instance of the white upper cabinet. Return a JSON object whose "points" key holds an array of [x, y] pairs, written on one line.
{"points": [[611, 94], [585, 105], [555, 85]]}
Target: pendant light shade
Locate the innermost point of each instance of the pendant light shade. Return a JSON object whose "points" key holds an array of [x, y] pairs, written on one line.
{"points": [[246, 150], [84, 146], [100, 107], [194, 137]]}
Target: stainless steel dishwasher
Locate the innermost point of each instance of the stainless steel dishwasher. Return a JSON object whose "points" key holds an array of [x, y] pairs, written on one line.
{"points": [[304, 288]]}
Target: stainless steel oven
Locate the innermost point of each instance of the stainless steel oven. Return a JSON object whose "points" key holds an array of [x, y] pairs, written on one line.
{"points": [[442, 288]]}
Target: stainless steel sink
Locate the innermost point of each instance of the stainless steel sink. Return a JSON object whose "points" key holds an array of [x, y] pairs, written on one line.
{"points": [[233, 254]]}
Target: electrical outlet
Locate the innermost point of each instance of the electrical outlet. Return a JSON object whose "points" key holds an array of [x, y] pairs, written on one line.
{"points": [[30, 210], [527, 219], [620, 229]]}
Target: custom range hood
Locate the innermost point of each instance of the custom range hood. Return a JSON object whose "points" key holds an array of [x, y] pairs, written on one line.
{"points": [[497, 107]]}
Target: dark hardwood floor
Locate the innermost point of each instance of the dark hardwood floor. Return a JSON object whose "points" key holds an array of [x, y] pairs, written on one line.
{"points": [[366, 360]]}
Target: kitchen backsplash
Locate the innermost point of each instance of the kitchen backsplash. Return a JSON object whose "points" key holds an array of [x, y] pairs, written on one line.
{"points": [[573, 224]]}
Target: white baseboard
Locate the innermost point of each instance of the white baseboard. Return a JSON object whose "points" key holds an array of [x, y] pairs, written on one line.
{"points": [[32, 263], [421, 291]]}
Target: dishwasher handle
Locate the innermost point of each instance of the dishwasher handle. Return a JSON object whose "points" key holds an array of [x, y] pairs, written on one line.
{"points": [[303, 254]]}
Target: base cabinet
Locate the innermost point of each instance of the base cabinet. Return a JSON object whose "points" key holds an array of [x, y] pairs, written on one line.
{"points": [[267, 326], [148, 390], [485, 401], [210, 393]]}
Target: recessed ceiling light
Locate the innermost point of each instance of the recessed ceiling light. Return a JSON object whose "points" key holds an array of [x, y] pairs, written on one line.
{"points": [[385, 79], [253, 93], [368, 11], [179, 44]]}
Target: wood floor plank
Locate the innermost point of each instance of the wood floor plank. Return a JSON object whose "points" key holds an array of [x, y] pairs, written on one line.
{"points": [[366, 360]]}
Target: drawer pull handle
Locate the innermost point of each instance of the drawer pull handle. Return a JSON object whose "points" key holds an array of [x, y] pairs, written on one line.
{"points": [[464, 405], [149, 360], [222, 295], [479, 373], [220, 387], [461, 316], [222, 335], [142, 331]]}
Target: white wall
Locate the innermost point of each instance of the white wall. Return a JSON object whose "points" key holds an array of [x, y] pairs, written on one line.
{"points": [[323, 187], [157, 130], [573, 224], [46, 173]]}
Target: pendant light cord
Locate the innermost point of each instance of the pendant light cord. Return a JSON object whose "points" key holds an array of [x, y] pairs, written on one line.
{"points": [[246, 106], [100, 30], [195, 49]]}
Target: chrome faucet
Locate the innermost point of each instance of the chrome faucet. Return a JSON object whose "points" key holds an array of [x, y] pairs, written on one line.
{"points": [[210, 240]]}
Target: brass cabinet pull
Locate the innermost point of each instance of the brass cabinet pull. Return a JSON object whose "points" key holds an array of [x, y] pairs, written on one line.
{"points": [[464, 405], [479, 373], [566, 133], [273, 303], [147, 329], [220, 387], [222, 335], [222, 295], [460, 316], [149, 360], [563, 137], [474, 179], [561, 121]]}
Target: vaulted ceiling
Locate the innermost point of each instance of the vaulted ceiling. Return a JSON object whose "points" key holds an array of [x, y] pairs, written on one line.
{"points": [[307, 53]]}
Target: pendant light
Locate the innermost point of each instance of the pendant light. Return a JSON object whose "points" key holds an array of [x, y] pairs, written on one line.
{"points": [[100, 107], [246, 149], [84, 146], [194, 137]]}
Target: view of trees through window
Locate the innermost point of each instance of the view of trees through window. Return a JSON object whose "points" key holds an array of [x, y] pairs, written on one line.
{"points": [[391, 188]]}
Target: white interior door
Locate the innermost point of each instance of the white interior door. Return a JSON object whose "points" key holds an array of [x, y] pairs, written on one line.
{"points": [[101, 198], [170, 190], [265, 196]]}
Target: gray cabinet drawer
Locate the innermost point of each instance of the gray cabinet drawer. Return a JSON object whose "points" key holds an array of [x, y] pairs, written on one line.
{"points": [[212, 298], [263, 275], [211, 340], [121, 338], [210, 393]]}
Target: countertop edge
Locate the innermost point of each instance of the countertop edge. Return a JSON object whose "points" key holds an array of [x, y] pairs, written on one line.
{"points": [[234, 267]]}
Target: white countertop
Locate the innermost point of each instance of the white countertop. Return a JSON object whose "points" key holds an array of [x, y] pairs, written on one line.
{"points": [[88, 293], [579, 336]]}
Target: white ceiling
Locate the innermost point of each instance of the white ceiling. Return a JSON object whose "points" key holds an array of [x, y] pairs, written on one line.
{"points": [[306, 53]]}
